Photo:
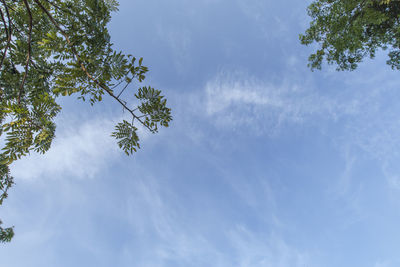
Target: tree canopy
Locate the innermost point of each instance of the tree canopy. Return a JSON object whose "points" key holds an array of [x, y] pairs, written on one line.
{"points": [[348, 31], [53, 48]]}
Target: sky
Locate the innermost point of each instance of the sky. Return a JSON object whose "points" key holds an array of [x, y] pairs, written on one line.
{"points": [[266, 163]]}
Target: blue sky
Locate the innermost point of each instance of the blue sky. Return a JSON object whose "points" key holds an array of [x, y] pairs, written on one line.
{"points": [[265, 164]]}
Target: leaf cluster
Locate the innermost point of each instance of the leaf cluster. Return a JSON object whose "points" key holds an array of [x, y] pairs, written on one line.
{"points": [[348, 31], [6, 234], [6, 181]]}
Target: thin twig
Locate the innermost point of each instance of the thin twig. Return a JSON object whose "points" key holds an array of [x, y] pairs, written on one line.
{"points": [[126, 85], [60, 8], [115, 86]]}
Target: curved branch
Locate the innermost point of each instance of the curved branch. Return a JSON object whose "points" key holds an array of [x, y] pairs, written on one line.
{"points": [[83, 67], [7, 29]]}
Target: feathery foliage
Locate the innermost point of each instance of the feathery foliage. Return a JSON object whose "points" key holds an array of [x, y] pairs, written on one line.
{"points": [[53, 48]]}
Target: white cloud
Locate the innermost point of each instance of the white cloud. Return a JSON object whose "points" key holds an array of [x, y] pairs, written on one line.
{"points": [[237, 100], [366, 118], [78, 150]]}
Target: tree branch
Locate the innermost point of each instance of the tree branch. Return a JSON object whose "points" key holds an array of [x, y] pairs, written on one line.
{"points": [[8, 31], [83, 67], [28, 58]]}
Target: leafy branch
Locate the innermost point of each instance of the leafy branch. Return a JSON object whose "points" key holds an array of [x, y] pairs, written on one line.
{"points": [[53, 48]]}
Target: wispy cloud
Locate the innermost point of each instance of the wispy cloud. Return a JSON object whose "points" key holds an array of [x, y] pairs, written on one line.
{"points": [[179, 241], [360, 118], [270, 251], [386, 263], [234, 100], [78, 150]]}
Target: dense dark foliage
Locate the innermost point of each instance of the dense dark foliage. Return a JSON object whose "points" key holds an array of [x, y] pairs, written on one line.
{"points": [[347, 31]]}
